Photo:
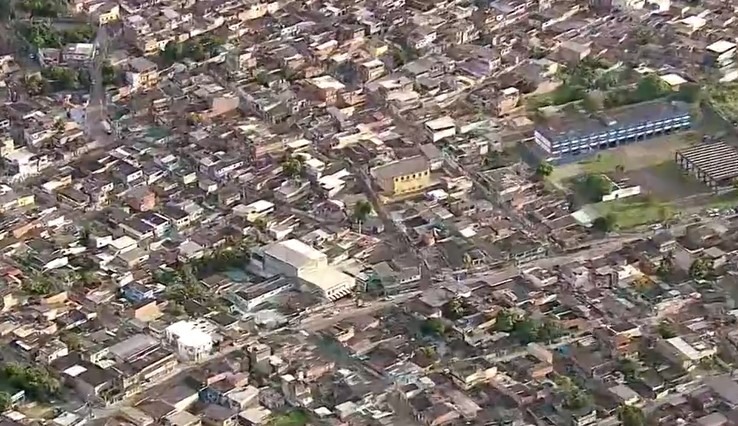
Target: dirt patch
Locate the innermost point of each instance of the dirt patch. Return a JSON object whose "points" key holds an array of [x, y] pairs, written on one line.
{"points": [[666, 182]]}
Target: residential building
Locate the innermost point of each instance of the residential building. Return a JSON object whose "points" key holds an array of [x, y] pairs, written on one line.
{"points": [[192, 339]]}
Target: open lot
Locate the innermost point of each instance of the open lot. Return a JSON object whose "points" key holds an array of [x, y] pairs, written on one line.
{"points": [[636, 211], [666, 191], [665, 181], [631, 157]]}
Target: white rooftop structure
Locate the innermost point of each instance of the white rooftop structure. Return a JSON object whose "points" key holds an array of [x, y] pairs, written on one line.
{"points": [[440, 123], [123, 243], [689, 351], [295, 253], [326, 82], [694, 21], [194, 339], [673, 79], [721, 46]]}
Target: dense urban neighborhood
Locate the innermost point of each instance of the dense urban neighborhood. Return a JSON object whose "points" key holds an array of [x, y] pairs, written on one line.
{"points": [[368, 213]]}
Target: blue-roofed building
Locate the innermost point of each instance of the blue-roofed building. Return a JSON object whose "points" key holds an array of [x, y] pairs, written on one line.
{"points": [[136, 292], [566, 137]]}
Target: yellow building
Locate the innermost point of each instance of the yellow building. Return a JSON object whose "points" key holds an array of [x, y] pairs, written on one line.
{"points": [[143, 73], [403, 176], [109, 12]]}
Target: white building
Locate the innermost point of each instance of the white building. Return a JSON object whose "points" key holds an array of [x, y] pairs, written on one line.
{"points": [[293, 258], [684, 353], [193, 339], [440, 128]]}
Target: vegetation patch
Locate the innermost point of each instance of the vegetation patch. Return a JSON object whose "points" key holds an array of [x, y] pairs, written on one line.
{"points": [[293, 418], [635, 211], [43, 35]]}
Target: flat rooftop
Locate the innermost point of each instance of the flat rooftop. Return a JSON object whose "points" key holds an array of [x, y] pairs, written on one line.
{"points": [[718, 160], [404, 167], [574, 123], [294, 252], [721, 46]]}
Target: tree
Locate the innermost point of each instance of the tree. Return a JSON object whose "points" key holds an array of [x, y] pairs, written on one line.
{"points": [[651, 87], [454, 309], [596, 186], [292, 167], [544, 169], [261, 224], [173, 51], [40, 35], [505, 321], [577, 399], [666, 265], [605, 223], [175, 309], [62, 78], [666, 330], [73, 342], [35, 84], [642, 284], [42, 8], [362, 210], [110, 76], [433, 326], [80, 34], [701, 269], [428, 352], [5, 402], [690, 93], [630, 415], [36, 382], [526, 330], [37, 285], [629, 368]]}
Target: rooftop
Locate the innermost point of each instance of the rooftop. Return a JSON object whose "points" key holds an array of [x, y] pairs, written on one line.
{"points": [[404, 167], [294, 252], [721, 46], [718, 160], [575, 123]]}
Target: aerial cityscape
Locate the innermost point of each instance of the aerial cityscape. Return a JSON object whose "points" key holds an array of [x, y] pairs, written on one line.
{"points": [[368, 213]]}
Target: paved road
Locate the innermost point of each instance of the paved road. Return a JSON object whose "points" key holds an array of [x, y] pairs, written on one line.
{"points": [[390, 225], [317, 323]]}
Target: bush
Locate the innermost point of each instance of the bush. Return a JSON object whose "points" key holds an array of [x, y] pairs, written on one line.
{"points": [[605, 223], [42, 35], [527, 330], [43, 8], [649, 88], [36, 382], [198, 49], [594, 187], [433, 326]]}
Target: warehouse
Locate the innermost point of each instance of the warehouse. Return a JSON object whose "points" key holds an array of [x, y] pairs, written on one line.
{"points": [[293, 258], [715, 164]]}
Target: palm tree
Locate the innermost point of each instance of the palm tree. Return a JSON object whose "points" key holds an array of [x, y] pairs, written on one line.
{"points": [[362, 210]]}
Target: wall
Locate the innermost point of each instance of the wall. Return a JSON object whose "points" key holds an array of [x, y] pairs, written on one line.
{"points": [[410, 183], [622, 193]]}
